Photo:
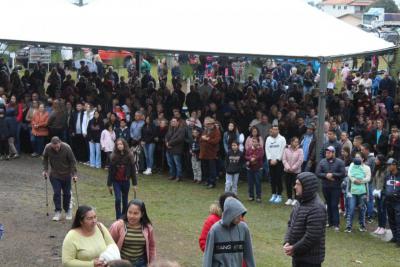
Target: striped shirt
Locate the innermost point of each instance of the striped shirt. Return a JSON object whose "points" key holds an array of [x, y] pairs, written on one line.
{"points": [[134, 246]]}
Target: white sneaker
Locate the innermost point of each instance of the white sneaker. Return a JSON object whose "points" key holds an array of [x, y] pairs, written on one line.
{"points": [[272, 199], [289, 202], [57, 216], [377, 230], [147, 171], [278, 199], [294, 202], [68, 215], [381, 231]]}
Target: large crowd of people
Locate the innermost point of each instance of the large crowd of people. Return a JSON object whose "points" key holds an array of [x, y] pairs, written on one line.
{"points": [[262, 129]]}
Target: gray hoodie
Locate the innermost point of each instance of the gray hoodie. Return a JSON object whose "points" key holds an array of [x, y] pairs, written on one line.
{"points": [[229, 245]]}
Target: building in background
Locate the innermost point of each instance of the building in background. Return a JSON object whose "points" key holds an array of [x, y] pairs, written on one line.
{"points": [[339, 8], [352, 19]]}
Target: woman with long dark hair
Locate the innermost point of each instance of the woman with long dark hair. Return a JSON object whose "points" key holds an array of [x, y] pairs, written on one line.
{"points": [[254, 133], [122, 169], [134, 235], [86, 240], [14, 118]]}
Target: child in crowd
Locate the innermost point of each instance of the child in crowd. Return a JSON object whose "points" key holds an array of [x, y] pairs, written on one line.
{"points": [[233, 163], [254, 158], [107, 142], [229, 241], [195, 151]]}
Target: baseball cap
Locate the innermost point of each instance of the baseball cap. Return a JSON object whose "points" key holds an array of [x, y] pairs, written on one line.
{"points": [[331, 149], [391, 161]]}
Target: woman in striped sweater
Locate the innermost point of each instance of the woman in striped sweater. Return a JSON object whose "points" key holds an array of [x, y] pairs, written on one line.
{"points": [[134, 235]]}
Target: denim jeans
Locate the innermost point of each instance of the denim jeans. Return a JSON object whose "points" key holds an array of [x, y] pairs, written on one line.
{"points": [[38, 144], [210, 170], [121, 192], [370, 202], [196, 167], [360, 201], [381, 207], [95, 155], [307, 89], [174, 164], [18, 138], [231, 182], [139, 263], [254, 178], [332, 197], [63, 185], [149, 154]]}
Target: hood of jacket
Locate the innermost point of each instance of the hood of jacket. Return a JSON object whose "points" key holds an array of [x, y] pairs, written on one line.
{"points": [[309, 181], [232, 209]]}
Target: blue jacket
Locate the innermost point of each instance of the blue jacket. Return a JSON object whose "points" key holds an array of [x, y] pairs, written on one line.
{"points": [[136, 130]]}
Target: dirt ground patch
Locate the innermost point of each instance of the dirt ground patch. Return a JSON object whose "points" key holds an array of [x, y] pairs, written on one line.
{"points": [[30, 238]]}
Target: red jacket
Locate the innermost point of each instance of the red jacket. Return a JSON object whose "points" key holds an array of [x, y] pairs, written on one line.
{"points": [[208, 223], [258, 154]]}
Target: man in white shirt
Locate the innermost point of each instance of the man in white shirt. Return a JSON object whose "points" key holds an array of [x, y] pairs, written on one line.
{"points": [[87, 116], [274, 147], [345, 71]]}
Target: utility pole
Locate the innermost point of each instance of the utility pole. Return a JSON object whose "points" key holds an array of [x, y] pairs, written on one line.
{"points": [[321, 107]]}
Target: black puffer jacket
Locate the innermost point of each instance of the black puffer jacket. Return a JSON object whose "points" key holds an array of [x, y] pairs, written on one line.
{"points": [[306, 227]]}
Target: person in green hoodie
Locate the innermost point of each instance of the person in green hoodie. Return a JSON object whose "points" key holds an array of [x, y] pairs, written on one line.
{"points": [[229, 242], [359, 175]]}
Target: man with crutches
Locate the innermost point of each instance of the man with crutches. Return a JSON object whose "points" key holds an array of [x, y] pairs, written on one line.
{"points": [[62, 170]]}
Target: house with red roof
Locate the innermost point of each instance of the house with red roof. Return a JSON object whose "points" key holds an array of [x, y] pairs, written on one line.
{"points": [[339, 8]]}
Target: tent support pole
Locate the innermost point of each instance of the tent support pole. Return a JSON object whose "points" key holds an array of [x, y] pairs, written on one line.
{"points": [[321, 108], [137, 57]]}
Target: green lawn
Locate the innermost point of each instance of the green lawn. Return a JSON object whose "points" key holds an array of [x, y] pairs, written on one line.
{"points": [[178, 210]]}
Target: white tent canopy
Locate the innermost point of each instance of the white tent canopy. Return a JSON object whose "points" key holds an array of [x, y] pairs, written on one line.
{"points": [[288, 28]]}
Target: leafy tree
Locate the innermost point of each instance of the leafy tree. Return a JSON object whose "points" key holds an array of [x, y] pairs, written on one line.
{"points": [[389, 6]]}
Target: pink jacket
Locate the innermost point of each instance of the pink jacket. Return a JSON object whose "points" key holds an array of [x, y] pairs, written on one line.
{"points": [[118, 231], [292, 160]]}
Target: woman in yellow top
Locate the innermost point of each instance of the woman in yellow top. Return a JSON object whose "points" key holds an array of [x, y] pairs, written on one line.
{"points": [[86, 240]]}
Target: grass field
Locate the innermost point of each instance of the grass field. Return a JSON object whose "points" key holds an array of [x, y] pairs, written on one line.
{"points": [[178, 210]]}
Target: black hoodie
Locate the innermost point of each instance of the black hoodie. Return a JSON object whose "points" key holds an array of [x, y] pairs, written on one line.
{"points": [[306, 227]]}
